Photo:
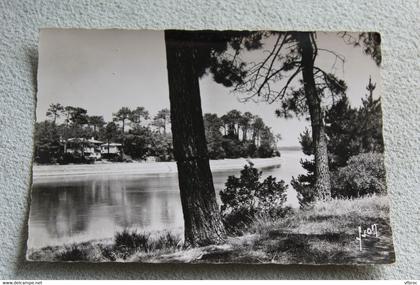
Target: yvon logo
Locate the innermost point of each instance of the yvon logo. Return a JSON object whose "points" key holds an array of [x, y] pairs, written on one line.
{"points": [[368, 232]]}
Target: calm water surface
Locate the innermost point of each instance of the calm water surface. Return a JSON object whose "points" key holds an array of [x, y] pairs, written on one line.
{"points": [[95, 207]]}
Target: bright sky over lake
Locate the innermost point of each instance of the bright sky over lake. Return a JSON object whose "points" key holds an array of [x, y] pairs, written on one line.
{"points": [[104, 70]]}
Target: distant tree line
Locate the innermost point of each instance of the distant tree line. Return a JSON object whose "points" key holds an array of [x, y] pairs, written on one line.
{"points": [[355, 150], [236, 135], [140, 137], [231, 136]]}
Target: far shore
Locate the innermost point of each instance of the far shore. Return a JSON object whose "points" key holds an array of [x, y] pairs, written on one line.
{"points": [[48, 172]]}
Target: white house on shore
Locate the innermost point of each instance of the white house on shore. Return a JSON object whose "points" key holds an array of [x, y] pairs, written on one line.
{"points": [[80, 146], [110, 149], [91, 148]]}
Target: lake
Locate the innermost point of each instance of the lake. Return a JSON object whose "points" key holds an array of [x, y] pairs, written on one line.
{"points": [[95, 207]]}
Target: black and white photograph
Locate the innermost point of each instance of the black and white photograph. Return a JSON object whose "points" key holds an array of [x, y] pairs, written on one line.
{"points": [[208, 146]]}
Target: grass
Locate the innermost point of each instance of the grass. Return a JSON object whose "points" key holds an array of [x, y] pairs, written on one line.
{"points": [[126, 246], [326, 233], [73, 253], [322, 234], [132, 244]]}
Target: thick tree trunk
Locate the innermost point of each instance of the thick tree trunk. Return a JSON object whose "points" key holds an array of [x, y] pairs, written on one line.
{"points": [[322, 172], [202, 221]]}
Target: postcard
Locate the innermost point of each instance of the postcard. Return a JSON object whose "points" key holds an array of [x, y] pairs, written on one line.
{"points": [[209, 146]]}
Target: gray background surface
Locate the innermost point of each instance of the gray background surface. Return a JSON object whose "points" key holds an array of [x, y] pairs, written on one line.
{"points": [[395, 20]]}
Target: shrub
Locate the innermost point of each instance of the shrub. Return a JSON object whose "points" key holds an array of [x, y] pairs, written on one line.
{"points": [[78, 158], [246, 198], [305, 191], [73, 253], [265, 150], [251, 150], [126, 243], [364, 174], [167, 241], [232, 147]]}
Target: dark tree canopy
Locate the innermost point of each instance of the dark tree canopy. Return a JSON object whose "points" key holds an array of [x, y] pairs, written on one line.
{"points": [[162, 119], [137, 115], [96, 122], [216, 52], [219, 53], [76, 116], [290, 74], [55, 111]]}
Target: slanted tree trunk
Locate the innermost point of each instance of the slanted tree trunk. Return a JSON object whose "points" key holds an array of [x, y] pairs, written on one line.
{"points": [[202, 221], [122, 140], [322, 172], [164, 127]]}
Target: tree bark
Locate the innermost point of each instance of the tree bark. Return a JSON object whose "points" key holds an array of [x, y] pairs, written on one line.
{"points": [[202, 220], [164, 127], [123, 139], [322, 172]]}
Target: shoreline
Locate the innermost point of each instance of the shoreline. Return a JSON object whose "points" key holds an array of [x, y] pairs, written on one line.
{"points": [[48, 172], [283, 241]]}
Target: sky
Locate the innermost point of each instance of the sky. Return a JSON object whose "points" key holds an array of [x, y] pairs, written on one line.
{"points": [[104, 70]]}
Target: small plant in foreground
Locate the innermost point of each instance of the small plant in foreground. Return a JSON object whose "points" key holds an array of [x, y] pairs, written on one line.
{"points": [[246, 198], [73, 253], [127, 242]]}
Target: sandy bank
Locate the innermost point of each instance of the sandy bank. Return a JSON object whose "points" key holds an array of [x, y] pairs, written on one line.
{"points": [[44, 172]]}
